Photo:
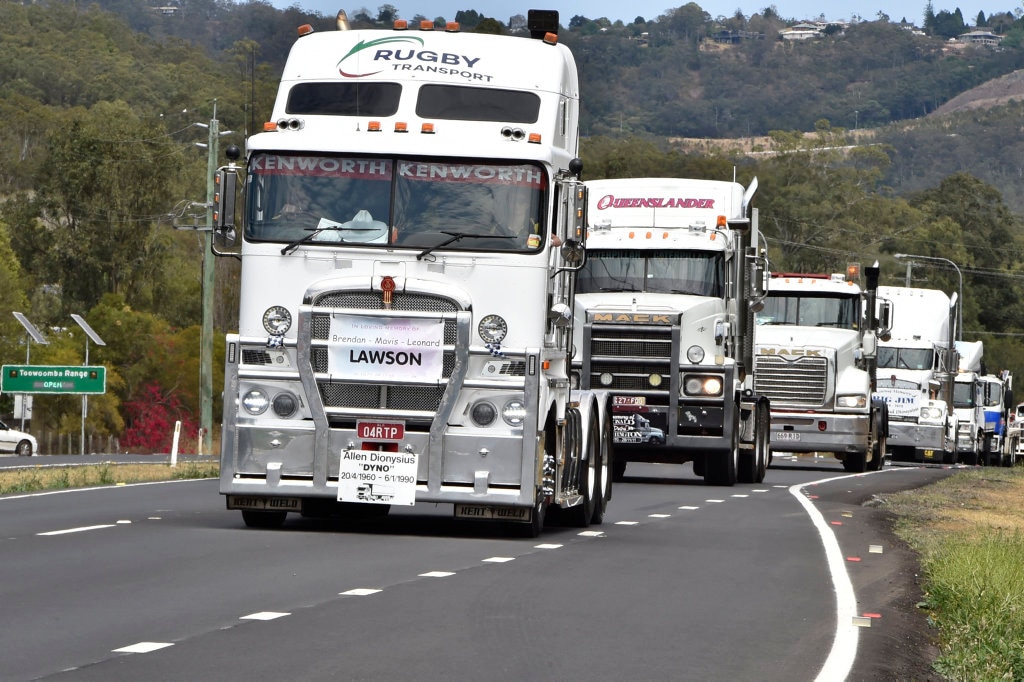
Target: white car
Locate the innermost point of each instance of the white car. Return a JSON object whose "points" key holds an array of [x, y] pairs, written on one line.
{"points": [[17, 442]]}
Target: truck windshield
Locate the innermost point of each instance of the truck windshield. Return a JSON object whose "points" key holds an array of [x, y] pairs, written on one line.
{"points": [[663, 271], [810, 311], [395, 202], [963, 394], [892, 357]]}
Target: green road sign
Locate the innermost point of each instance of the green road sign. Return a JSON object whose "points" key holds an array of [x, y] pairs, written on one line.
{"points": [[53, 379]]}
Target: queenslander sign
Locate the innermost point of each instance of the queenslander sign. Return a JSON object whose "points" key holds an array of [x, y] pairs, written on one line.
{"points": [[385, 348]]}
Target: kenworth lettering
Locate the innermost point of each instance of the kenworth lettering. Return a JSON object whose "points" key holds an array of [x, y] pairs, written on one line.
{"points": [[409, 254]]}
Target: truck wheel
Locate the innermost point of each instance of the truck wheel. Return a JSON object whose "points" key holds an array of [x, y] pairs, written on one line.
{"points": [[763, 442], [536, 524], [589, 477], [263, 519], [720, 468], [604, 474], [618, 469], [855, 462]]}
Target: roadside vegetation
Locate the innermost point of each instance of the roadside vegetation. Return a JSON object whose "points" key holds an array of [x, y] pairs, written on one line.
{"points": [[35, 479], [969, 532]]}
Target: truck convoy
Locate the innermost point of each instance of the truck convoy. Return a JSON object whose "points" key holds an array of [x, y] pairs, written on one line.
{"points": [[664, 322], [997, 398], [916, 366], [817, 337], [413, 226]]}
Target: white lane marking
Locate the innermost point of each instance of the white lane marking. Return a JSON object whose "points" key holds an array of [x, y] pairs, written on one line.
{"points": [[740, 495], [142, 647], [844, 644], [359, 592], [659, 516], [71, 491], [626, 523], [124, 522], [592, 534], [547, 546], [265, 615], [436, 574], [688, 508], [499, 559], [715, 501], [76, 530]]}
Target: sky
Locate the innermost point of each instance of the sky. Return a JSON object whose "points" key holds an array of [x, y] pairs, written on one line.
{"points": [[911, 10]]}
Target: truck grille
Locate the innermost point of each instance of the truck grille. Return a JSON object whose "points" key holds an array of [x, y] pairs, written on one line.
{"points": [[630, 356], [802, 382], [373, 396]]}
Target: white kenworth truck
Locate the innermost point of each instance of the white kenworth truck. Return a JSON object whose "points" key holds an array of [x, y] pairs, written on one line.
{"points": [[969, 402], [916, 367], [664, 322], [413, 225], [817, 338]]}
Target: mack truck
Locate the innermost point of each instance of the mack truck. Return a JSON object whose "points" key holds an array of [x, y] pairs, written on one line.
{"points": [[412, 225], [816, 353], [916, 367], [664, 323]]}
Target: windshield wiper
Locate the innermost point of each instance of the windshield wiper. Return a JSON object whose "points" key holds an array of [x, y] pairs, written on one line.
{"points": [[623, 288], [314, 231], [456, 236]]}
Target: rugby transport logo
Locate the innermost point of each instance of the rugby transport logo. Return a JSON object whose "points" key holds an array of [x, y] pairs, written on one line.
{"points": [[406, 53], [371, 44]]}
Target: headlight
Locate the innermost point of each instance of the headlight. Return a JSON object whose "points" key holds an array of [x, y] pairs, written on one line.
{"points": [[852, 401], [514, 412], [606, 379], [695, 354], [255, 401], [483, 414], [654, 380], [285, 404], [702, 385], [492, 329], [277, 320]]}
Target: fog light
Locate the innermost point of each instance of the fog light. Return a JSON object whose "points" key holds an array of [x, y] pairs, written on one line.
{"points": [[285, 404], [606, 379], [654, 380], [483, 414]]}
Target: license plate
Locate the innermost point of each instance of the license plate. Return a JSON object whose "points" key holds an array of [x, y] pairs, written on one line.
{"points": [[479, 511], [628, 400], [787, 435], [264, 503], [380, 430]]}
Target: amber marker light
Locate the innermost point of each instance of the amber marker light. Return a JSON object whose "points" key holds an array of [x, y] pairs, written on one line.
{"points": [[426, 25], [427, 129], [304, 30], [452, 27], [269, 126], [534, 138], [401, 24], [373, 126], [551, 38], [401, 127]]}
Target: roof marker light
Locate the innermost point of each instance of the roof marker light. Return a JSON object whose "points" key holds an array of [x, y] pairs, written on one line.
{"points": [[551, 38], [723, 222], [648, 235], [534, 138], [304, 30], [401, 127], [401, 24], [269, 126], [427, 129], [373, 127], [452, 27]]}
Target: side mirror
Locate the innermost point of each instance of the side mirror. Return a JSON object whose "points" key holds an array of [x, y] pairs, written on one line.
{"points": [[573, 253]]}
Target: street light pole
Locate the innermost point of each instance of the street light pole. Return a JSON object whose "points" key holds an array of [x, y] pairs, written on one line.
{"points": [[206, 340], [960, 275], [31, 334]]}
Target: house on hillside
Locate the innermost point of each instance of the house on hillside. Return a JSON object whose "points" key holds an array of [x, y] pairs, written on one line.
{"points": [[980, 36]]}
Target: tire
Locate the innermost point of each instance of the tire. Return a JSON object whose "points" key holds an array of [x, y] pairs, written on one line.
{"points": [[536, 524], [263, 519], [747, 462], [880, 428], [604, 469], [855, 462], [24, 449], [721, 468], [589, 480], [763, 442], [618, 469]]}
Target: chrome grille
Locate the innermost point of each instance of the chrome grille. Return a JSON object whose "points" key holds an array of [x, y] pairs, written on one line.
{"points": [[799, 383], [256, 356], [375, 396], [630, 356]]}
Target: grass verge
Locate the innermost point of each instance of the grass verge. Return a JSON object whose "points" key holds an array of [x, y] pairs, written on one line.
{"points": [[35, 479], [969, 532]]}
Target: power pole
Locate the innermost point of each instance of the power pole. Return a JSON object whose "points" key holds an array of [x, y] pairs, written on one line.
{"points": [[206, 337]]}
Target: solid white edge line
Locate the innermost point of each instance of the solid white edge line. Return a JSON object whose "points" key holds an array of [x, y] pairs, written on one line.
{"points": [[80, 529], [68, 491], [844, 644]]}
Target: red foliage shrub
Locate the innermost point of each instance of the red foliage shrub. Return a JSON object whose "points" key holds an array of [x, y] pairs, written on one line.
{"points": [[150, 419]]}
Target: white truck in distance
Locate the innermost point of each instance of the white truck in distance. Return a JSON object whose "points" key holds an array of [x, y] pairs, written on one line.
{"points": [[916, 365], [663, 322], [413, 226], [969, 402], [815, 360]]}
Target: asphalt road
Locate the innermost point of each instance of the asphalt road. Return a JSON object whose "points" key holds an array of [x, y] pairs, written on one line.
{"points": [[682, 582]]}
